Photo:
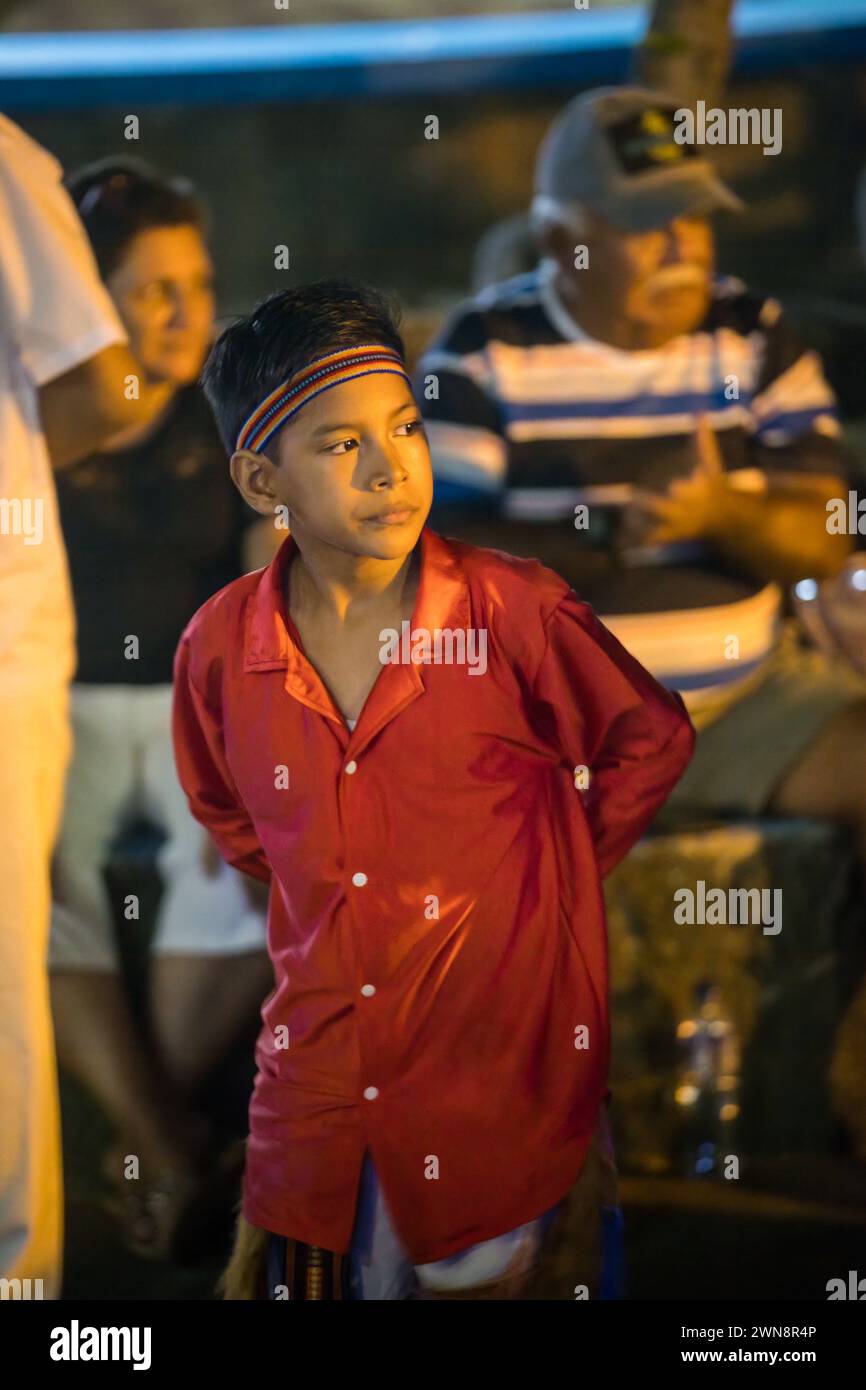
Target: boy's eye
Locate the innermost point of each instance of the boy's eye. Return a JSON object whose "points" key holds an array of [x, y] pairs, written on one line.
{"points": [[342, 446]]}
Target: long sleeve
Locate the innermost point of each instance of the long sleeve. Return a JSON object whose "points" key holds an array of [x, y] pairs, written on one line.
{"points": [[205, 776], [601, 709]]}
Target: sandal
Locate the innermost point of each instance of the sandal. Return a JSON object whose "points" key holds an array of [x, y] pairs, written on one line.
{"points": [[148, 1213], [176, 1215]]}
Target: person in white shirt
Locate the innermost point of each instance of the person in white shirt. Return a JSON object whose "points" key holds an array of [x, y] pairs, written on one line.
{"points": [[66, 376]]}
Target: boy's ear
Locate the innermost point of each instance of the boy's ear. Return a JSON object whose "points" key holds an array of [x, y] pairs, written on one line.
{"points": [[252, 475]]}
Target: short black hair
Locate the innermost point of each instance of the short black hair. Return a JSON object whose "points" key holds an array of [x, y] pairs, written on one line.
{"points": [[118, 198], [253, 356]]}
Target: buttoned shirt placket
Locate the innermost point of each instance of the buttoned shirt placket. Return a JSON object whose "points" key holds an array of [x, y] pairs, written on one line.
{"points": [[442, 600]]}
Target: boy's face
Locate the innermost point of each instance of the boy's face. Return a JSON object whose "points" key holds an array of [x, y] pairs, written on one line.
{"points": [[353, 469]]}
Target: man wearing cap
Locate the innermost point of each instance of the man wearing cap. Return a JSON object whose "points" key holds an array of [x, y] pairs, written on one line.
{"points": [[679, 445]]}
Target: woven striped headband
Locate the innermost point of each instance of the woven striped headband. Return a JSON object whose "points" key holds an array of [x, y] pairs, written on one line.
{"points": [[319, 375]]}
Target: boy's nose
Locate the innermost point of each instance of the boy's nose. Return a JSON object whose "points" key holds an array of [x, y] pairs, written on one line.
{"points": [[387, 469]]}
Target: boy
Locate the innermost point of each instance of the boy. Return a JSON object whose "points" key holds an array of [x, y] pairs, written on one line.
{"points": [[432, 1066]]}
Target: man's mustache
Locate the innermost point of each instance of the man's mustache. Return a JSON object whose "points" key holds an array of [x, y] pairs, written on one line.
{"points": [[676, 277]]}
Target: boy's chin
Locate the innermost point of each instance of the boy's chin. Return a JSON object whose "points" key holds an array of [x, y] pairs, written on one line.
{"points": [[389, 542]]}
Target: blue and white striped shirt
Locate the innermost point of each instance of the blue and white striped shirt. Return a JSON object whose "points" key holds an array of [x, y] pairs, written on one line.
{"points": [[528, 418]]}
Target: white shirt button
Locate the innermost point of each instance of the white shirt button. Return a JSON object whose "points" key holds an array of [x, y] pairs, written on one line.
{"points": [[351, 767], [368, 990], [359, 880], [371, 1092]]}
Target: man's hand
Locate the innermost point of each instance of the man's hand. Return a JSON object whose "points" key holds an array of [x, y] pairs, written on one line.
{"points": [[85, 408], [777, 535], [691, 508]]}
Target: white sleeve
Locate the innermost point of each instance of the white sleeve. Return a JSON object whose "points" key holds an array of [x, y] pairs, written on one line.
{"points": [[55, 307]]}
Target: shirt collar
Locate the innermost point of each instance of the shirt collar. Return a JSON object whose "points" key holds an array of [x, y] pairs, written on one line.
{"points": [[553, 305], [272, 640]]}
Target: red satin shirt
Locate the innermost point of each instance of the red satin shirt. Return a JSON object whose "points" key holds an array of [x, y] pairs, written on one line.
{"points": [[436, 921]]}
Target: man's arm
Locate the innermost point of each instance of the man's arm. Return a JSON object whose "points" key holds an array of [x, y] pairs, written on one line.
{"points": [[604, 711], [84, 407], [56, 313], [778, 534], [782, 535]]}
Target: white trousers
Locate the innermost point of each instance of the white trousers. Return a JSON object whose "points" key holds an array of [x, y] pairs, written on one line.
{"points": [[122, 766], [34, 746], [381, 1269]]}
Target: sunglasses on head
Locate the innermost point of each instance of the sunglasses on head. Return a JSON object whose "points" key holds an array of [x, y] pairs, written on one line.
{"points": [[114, 189]]}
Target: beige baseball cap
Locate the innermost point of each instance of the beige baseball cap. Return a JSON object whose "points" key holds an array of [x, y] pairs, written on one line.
{"points": [[614, 150]]}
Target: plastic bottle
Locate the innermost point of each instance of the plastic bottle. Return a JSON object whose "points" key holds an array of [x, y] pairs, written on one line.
{"points": [[708, 1085]]}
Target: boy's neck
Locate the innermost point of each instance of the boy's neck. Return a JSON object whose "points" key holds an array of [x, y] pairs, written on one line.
{"points": [[335, 586]]}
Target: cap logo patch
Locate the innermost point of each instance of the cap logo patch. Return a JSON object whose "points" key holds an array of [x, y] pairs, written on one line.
{"points": [[646, 141]]}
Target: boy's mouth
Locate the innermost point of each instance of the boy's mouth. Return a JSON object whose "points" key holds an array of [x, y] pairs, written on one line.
{"points": [[396, 516]]}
